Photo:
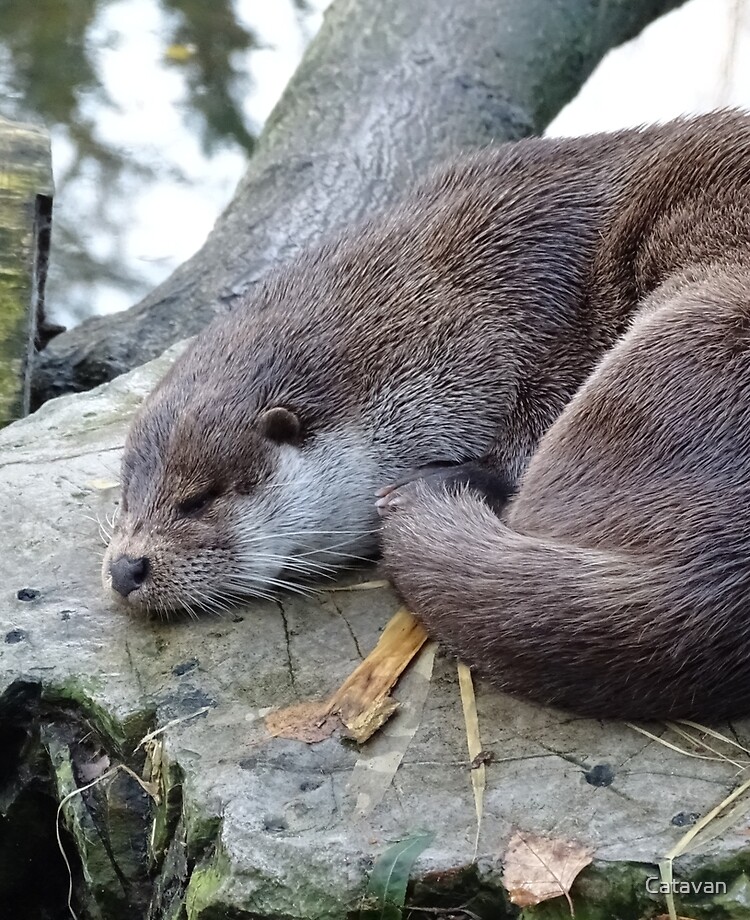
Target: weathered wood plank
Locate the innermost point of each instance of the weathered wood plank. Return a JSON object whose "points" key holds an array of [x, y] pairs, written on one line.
{"points": [[25, 216]]}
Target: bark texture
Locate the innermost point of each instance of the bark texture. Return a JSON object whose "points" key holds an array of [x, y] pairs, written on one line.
{"points": [[385, 91]]}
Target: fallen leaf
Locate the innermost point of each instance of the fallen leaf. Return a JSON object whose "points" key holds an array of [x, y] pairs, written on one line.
{"points": [[102, 484], [540, 868], [386, 889]]}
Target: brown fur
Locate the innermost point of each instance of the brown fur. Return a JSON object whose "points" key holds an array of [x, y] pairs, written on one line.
{"points": [[455, 329], [618, 582], [367, 341]]}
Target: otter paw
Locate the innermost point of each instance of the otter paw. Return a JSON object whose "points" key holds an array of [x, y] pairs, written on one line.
{"points": [[493, 487], [395, 496], [398, 494]]}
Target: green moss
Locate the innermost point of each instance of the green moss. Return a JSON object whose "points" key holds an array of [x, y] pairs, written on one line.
{"points": [[15, 300], [736, 902], [168, 812], [108, 824], [205, 883], [96, 867], [201, 830], [603, 891], [26, 173], [80, 694]]}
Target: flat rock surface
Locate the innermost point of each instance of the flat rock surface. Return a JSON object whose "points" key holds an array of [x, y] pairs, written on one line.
{"points": [[300, 825]]}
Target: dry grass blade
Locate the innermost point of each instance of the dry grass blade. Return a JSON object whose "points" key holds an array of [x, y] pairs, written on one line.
{"points": [[705, 730], [63, 802], [377, 764], [709, 826], [150, 736], [689, 841], [693, 739], [719, 819], [147, 787], [363, 585], [675, 747], [150, 787], [474, 742]]}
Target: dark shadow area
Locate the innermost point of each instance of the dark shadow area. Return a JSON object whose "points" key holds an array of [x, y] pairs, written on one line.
{"points": [[33, 876], [44, 737]]}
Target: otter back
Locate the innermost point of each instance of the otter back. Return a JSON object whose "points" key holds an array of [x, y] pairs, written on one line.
{"points": [[618, 580]]}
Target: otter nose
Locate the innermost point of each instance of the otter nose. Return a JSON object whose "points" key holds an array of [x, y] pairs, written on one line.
{"points": [[128, 574]]}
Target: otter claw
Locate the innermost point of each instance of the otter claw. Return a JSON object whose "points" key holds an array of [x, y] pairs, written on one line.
{"points": [[388, 501], [492, 486]]}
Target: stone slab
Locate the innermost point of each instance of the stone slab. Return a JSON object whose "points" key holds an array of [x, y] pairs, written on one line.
{"points": [[267, 828]]}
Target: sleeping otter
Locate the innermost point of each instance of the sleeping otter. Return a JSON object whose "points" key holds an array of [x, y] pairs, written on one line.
{"points": [[454, 330], [617, 582]]}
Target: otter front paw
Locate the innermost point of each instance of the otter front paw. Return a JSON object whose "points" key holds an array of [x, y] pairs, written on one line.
{"points": [[490, 485], [398, 494]]}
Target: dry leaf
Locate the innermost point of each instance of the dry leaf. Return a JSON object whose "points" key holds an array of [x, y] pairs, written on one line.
{"points": [[153, 767], [539, 868], [362, 703], [101, 485]]}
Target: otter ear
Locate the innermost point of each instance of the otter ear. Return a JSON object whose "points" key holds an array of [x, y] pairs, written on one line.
{"points": [[280, 425]]}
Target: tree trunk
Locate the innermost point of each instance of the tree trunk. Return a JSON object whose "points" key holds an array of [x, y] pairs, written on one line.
{"points": [[385, 91]]}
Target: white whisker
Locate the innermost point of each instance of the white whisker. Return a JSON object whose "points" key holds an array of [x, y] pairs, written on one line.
{"points": [[305, 533]]}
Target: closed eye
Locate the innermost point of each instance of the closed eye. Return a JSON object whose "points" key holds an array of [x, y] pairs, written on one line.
{"points": [[195, 505]]}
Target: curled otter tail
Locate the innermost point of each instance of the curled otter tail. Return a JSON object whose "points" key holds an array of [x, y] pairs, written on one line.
{"points": [[588, 630]]}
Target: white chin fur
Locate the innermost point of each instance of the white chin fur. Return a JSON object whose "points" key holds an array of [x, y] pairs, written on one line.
{"points": [[314, 514]]}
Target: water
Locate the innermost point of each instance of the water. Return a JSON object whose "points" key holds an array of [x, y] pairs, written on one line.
{"points": [[153, 107]]}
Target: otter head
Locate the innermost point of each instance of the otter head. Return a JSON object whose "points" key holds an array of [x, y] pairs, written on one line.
{"points": [[223, 499]]}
